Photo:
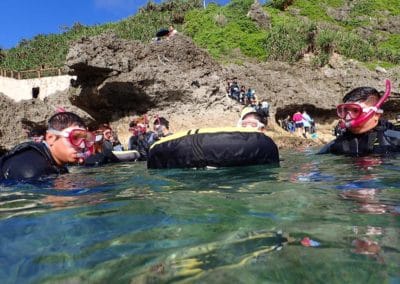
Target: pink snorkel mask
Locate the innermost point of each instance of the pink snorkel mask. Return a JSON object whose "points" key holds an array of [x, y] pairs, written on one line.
{"points": [[368, 114]]}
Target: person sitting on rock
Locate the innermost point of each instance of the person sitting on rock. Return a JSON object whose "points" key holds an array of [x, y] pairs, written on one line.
{"points": [[251, 98], [365, 131], [242, 94], [228, 87], [65, 141], [172, 31], [141, 139], [234, 90], [263, 107]]}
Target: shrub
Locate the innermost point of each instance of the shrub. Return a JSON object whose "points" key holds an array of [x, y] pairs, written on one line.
{"points": [[288, 42], [281, 4], [325, 43], [352, 46]]}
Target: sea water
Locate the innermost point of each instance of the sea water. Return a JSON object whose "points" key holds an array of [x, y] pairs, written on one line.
{"points": [[123, 223]]}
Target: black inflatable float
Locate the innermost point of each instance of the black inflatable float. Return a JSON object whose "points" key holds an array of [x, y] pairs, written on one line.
{"points": [[214, 147]]}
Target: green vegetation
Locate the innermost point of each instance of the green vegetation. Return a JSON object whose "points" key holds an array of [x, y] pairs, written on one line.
{"points": [[289, 41], [229, 35]]}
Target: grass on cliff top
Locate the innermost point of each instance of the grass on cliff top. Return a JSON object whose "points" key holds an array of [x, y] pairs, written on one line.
{"points": [[51, 50], [225, 30]]}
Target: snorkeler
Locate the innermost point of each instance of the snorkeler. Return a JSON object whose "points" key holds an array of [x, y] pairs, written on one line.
{"points": [[365, 132], [252, 118], [66, 141], [102, 148]]}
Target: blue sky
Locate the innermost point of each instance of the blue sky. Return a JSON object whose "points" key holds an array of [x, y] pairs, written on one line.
{"points": [[23, 19]]}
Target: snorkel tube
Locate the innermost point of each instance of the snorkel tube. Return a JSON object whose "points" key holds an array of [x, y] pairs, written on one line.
{"points": [[84, 155], [364, 117]]}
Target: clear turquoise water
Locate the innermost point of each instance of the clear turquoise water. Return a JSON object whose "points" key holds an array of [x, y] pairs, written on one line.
{"points": [[126, 224]]}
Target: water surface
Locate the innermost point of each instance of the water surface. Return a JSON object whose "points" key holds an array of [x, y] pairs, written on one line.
{"points": [[123, 223]]}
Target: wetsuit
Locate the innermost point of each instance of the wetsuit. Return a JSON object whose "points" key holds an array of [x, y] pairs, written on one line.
{"points": [[142, 143], [29, 161], [105, 157], [383, 139]]}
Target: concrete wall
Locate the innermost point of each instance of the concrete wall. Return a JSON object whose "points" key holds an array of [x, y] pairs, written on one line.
{"points": [[22, 89]]}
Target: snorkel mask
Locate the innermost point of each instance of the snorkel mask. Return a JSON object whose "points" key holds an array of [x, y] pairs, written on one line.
{"points": [[362, 115], [80, 138]]}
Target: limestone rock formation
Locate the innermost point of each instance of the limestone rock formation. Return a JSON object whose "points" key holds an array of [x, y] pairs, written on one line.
{"points": [[174, 78], [116, 77], [19, 118]]}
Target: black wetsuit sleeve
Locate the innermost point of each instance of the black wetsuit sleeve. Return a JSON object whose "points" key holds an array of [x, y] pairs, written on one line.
{"points": [[107, 151], [132, 144], [105, 157], [26, 165], [96, 160]]}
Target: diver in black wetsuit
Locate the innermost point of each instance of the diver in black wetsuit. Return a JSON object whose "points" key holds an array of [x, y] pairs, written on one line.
{"points": [[103, 148], [161, 128], [141, 140], [365, 133], [65, 142]]}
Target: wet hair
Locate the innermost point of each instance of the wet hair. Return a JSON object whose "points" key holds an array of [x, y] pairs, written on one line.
{"points": [[103, 127], [258, 114], [62, 120], [361, 94], [37, 132], [162, 121]]}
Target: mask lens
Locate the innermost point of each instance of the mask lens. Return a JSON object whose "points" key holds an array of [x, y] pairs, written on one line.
{"points": [[249, 124], [90, 139], [353, 110], [107, 133], [77, 136], [252, 123]]}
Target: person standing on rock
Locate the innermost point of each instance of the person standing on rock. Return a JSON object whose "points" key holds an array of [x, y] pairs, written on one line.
{"points": [[66, 141], [365, 131], [307, 122], [298, 121]]}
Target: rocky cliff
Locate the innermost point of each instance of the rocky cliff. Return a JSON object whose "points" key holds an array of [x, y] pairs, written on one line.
{"points": [[117, 79]]}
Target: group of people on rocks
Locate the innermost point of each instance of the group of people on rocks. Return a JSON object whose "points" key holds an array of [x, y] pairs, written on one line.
{"points": [[300, 123], [67, 138], [246, 97], [240, 94]]}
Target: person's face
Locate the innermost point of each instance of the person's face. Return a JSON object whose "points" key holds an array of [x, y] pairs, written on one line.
{"points": [[61, 148], [159, 129], [107, 134], [252, 120], [368, 124]]}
